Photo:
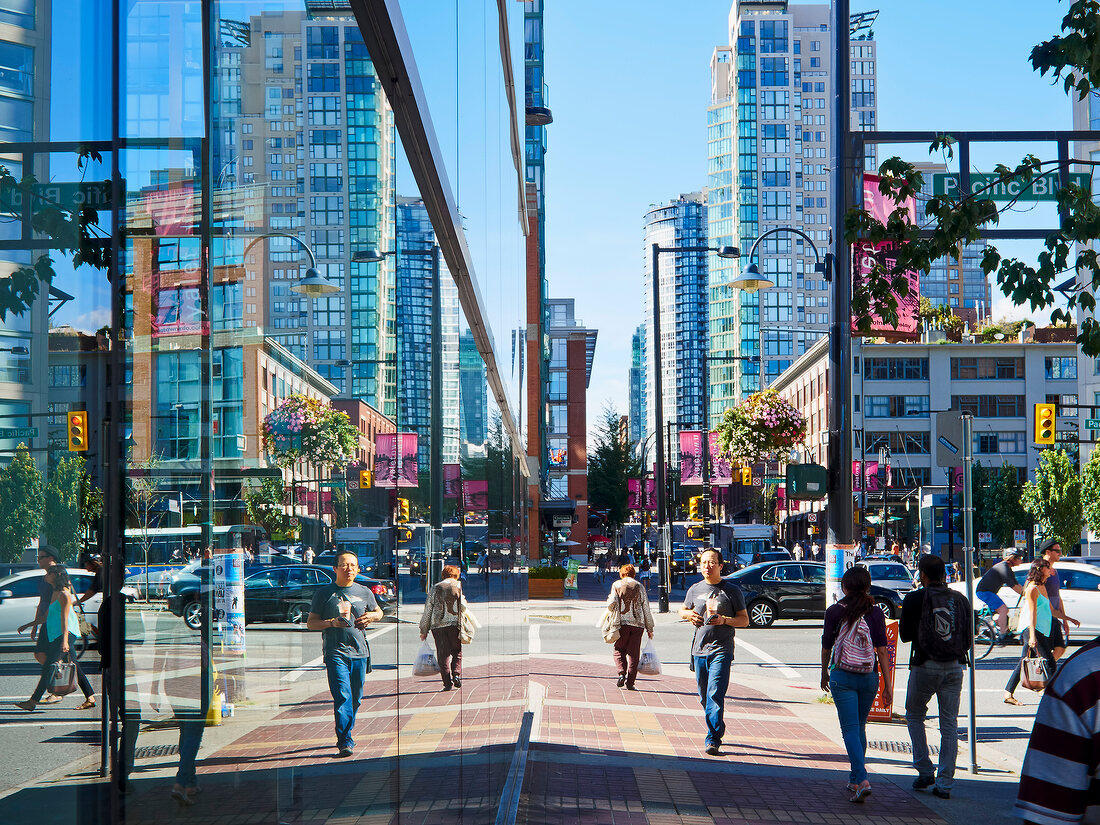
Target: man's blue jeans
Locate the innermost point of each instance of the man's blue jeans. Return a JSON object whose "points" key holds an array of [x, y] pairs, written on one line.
{"points": [[345, 682], [853, 695], [944, 681], [712, 675]]}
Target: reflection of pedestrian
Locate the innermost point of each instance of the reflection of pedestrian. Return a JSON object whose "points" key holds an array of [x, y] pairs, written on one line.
{"points": [[634, 617], [46, 559], [342, 611], [443, 617], [308, 555]]}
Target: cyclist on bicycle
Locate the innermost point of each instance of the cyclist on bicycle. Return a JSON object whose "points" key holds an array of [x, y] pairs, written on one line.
{"points": [[998, 576]]}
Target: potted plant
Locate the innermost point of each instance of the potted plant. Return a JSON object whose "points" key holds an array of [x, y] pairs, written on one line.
{"points": [[764, 426], [546, 582]]}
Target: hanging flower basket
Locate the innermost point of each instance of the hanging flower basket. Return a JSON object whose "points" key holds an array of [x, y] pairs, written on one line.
{"points": [[307, 429], [765, 425]]}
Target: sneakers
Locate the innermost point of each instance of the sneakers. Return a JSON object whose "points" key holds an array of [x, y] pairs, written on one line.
{"points": [[344, 752], [922, 782], [942, 793], [622, 680], [711, 749]]}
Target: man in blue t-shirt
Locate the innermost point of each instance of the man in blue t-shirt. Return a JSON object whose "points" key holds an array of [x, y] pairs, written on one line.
{"points": [[342, 611], [715, 607]]}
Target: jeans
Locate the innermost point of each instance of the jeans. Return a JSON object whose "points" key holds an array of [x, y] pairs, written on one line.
{"points": [[190, 739], [712, 675], [628, 647], [53, 655], [944, 681], [448, 652], [1043, 647], [345, 682], [853, 694]]}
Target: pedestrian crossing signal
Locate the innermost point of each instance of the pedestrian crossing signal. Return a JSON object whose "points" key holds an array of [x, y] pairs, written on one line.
{"points": [[78, 431]]}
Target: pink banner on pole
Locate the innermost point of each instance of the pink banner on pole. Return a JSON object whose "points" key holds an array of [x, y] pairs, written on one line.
{"points": [[650, 494], [407, 468], [475, 495], [868, 479], [633, 494], [721, 471], [385, 460], [691, 456], [864, 257], [452, 479]]}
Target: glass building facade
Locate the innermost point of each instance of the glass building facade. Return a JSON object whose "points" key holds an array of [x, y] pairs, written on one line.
{"points": [[202, 368]]}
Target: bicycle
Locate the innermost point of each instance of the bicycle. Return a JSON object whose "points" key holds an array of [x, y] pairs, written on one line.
{"points": [[986, 634]]}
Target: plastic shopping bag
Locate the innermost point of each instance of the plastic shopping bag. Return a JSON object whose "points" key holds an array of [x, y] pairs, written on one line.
{"points": [[649, 664], [425, 664]]}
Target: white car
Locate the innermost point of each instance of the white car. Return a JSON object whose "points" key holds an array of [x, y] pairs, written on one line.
{"points": [[890, 574], [19, 600], [1080, 595]]}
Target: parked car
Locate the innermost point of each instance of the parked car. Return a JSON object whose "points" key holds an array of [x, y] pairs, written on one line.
{"points": [[889, 574], [273, 594], [1080, 593], [795, 590]]}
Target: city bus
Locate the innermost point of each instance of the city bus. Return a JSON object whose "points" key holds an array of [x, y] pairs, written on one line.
{"points": [[173, 546]]}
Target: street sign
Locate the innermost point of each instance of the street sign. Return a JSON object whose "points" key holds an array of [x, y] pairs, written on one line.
{"points": [[19, 432], [985, 538], [775, 480], [949, 441], [1019, 535], [812, 518], [66, 195], [563, 521], [1092, 423], [334, 483], [757, 481], [1040, 188]]}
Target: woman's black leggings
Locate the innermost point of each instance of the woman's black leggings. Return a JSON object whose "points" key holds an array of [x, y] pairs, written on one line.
{"points": [[53, 655], [1043, 647]]}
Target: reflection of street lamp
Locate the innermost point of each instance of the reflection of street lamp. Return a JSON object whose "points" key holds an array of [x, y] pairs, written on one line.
{"points": [[16, 350], [658, 392], [314, 284]]}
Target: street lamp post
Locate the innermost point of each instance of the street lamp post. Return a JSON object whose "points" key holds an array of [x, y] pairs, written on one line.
{"points": [[659, 421]]}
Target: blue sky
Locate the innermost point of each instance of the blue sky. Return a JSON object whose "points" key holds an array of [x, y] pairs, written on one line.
{"points": [[629, 93]]}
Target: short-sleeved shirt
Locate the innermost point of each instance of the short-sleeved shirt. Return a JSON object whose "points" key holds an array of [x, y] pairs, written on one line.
{"points": [[347, 641], [45, 596], [998, 576], [876, 624], [1054, 588], [731, 601]]}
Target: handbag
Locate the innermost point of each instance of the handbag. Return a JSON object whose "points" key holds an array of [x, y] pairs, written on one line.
{"points": [[62, 678], [649, 663], [608, 627], [468, 626], [1034, 673]]}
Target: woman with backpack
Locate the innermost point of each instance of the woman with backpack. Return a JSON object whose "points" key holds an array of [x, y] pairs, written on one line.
{"points": [[853, 651]]}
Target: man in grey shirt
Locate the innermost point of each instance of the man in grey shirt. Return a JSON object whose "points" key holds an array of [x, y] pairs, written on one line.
{"points": [[342, 611], [715, 607]]}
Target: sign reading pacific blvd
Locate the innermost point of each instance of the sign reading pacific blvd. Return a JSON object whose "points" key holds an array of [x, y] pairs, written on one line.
{"points": [[18, 432], [65, 195], [1041, 187]]}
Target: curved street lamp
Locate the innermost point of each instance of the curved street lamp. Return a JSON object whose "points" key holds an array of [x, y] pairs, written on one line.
{"points": [[314, 284]]}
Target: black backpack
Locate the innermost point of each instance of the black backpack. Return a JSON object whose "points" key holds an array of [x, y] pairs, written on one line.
{"points": [[944, 630]]}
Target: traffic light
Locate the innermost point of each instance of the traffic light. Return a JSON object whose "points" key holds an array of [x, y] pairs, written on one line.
{"points": [[746, 476], [697, 532], [78, 431], [693, 508], [1044, 423], [404, 534], [364, 479], [402, 509]]}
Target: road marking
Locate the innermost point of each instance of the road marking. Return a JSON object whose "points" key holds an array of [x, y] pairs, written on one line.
{"points": [[316, 664], [789, 672], [534, 645]]}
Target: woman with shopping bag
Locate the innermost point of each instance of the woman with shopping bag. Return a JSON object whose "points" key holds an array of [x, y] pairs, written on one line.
{"points": [[443, 617], [629, 600]]}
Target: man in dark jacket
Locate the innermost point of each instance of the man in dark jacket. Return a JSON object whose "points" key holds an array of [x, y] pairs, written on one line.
{"points": [[934, 676]]}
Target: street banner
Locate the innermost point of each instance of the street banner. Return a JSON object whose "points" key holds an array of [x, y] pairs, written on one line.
{"points": [[865, 255], [691, 456], [880, 711], [452, 480], [868, 479], [390, 468], [721, 471], [475, 495], [651, 494], [633, 494], [572, 567], [407, 468], [228, 627]]}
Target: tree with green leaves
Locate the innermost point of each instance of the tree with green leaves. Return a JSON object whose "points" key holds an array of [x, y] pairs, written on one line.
{"points": [[611, 464], [1090, 491], [67, 513], [997, 508], [21, 492], [1073, 56], [265, 503], [1054, 498]]}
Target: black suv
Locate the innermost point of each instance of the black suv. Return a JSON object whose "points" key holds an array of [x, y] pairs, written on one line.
{"points": [[272, 594]]}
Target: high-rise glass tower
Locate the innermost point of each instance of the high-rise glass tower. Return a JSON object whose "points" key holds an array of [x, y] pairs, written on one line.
{"points": [[637, 348], [770, 154], [683, 306], [473, 392]]}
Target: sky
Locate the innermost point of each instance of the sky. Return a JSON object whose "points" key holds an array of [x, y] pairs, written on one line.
{"points": [[629, 94]]}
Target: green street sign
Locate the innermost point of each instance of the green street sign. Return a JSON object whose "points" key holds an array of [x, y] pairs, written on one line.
{"points": [[18, 432], [1092, 423], [775, 480], [1041, 188], [66, 195], [333, 483]]}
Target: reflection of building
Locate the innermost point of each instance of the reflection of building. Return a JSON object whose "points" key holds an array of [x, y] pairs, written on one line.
{"points": [[473, 392], [683, 308], [572, 348], [769, 137], [413, 331], [898, 388], [78, 381], [637, 369]]}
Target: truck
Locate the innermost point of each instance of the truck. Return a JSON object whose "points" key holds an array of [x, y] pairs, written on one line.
{"points": [[741, 543], [374, 547]]}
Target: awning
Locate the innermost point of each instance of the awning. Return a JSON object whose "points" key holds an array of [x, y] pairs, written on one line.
{"points": [[559, 506]]}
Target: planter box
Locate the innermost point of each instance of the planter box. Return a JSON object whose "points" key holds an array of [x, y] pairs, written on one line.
{"points": [[546, 588]]}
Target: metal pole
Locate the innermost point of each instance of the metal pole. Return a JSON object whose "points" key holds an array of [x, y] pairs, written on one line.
{"points": [[706, 445], [968, 560], [435, 458], [659, 424]]}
